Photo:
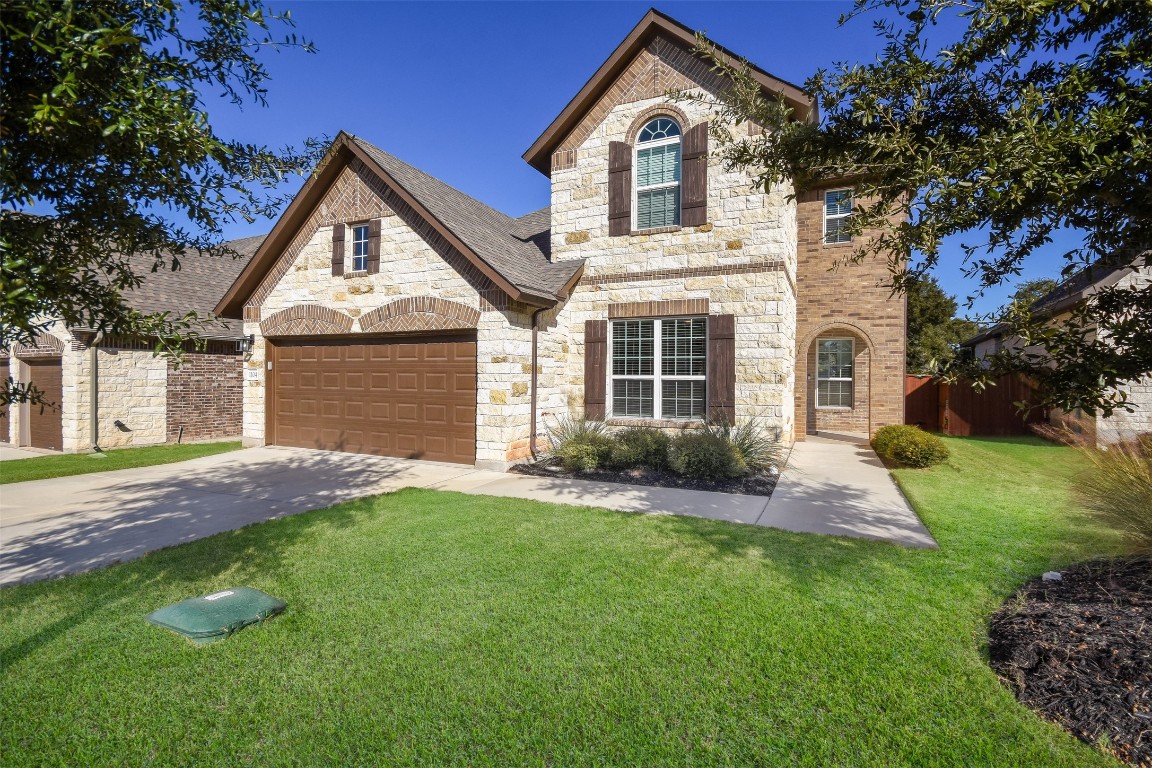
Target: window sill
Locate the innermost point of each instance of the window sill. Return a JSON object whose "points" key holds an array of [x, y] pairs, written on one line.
{"points": [[837, 245], [618, 421], [656, 231], [844, 408], [357, 273]]}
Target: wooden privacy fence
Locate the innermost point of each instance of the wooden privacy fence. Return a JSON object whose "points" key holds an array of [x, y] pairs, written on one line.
{"points": [[958, 409]]}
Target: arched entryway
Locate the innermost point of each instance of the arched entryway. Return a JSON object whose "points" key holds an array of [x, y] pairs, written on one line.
{"points": [[834, 380]]}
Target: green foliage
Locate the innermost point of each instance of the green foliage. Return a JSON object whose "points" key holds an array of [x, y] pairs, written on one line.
{"points": [[106, 132], [759, 447], [46, 467], [1001, 122], [705, 456], [1029, 291], [909, 445], [640, 447], [1118, 489], [580, 445], [934, 331]]}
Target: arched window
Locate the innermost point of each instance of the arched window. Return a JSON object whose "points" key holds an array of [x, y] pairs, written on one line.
{"points": [[658, 174]]}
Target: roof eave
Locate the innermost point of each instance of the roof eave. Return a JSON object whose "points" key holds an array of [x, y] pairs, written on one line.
{"points": [[540, 153]]}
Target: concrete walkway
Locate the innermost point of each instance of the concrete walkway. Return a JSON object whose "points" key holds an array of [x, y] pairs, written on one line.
{"points": [[72, 524], [9, 452]]}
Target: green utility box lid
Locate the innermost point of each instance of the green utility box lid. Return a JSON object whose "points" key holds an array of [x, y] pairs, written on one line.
{"points": [[215, 616]]}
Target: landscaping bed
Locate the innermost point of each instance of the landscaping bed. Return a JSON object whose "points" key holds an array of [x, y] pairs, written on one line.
{"points": [[753, 484], [1078, 651]]}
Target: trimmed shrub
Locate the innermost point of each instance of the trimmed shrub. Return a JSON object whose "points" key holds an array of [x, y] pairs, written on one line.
{"points": [[703, 455], [1118, 489], [640, 447], [586, 452], [759, 447], [909, 445]]}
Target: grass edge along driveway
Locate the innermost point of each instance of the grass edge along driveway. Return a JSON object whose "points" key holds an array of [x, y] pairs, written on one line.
{"points": [[64, 465], [429, 628]]}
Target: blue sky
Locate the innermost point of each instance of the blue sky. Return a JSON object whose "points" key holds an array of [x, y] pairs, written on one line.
{"points": [[460, 90]]}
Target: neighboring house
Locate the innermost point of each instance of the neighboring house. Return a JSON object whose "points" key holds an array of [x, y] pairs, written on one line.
{"points": [[1058, 305], [395, 315], [140, 399]]}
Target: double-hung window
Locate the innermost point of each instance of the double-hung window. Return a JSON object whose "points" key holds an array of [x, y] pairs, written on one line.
{"points": [[659, 368], [658, 175], [837, 209], [834, 373], [359, 247]]}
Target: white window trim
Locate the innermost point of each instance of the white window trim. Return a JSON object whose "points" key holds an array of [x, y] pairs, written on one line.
{"points": [[851, 379], [666, 185], [825, 217], [657, 378], [352, 246]]}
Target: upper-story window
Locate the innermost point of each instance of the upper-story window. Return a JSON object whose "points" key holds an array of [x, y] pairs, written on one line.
{"points": [[837, 209], [359, 247], [658, 175]]}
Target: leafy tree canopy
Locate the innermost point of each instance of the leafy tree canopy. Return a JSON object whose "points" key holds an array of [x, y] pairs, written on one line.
{"points": [[106, 137], [1000, 121], [1029, 291], [934, 331]]}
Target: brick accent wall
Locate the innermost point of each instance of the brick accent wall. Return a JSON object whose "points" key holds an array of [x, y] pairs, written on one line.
{"points": [[850, 301], [419, 313], [305, 319], [205, 397]]}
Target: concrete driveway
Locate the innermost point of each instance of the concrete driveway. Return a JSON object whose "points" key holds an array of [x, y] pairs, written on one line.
{"points": [[72, 524]]}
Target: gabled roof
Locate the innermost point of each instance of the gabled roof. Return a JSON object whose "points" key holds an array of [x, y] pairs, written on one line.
{"points": [[195, 287], [486, 237], [654, 23]]}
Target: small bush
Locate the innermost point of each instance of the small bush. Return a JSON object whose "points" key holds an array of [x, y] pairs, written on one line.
{"points": [[1118, 489], [640, 447], [909, 445], [703, 455], [585, 454], [759, 446], [566, 433]]}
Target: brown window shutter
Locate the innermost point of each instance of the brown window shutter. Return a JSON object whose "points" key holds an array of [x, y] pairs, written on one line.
{"points": [[694, 194], [722, 368], [374, 246], [619, 188], [338, 249], [595, 368]]}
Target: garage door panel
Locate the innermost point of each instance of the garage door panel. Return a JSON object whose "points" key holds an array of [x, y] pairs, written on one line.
{"points": [[407, 399]]}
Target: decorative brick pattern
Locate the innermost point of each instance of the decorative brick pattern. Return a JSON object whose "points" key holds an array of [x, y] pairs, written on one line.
{"points": [[661, 67], [610, 278], [44, 345], [656, 110], [205, 398], [849, 301], [419, 313], [658, 308], [251, 314], [306, 320]]}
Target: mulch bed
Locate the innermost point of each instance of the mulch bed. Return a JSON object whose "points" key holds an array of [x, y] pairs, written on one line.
{"points": [[755, 484], [1078, 652]]}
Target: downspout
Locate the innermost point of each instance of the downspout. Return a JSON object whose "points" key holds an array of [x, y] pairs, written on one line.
{"points": [[532, 387], [94, 390]]}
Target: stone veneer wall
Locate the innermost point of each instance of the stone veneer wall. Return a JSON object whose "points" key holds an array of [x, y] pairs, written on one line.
{"points": [[853, 301], [1124, 425], [743, 261], [413, 263], [133, 391], [205, 397]]}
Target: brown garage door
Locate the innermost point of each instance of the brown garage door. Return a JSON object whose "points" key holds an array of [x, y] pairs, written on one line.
{"points": [[410, 398], [44, 428]]}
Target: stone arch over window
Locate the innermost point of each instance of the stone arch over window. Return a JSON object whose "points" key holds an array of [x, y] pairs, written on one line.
{"points": [[419, 313], [658, 110], [812, 418], [306, 320]]}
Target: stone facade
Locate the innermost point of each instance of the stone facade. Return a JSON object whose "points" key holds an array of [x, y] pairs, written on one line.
{"points": [[141, 399], [846, 300]]}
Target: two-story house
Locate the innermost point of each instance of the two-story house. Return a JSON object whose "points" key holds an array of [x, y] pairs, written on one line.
{"points": [[392, 314]]}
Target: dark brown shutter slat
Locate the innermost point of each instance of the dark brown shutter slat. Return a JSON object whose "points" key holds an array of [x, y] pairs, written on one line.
{"points": [[595, 368], [374, 246], [694, 195], [722, 368], [619, 188], [338, 249]]}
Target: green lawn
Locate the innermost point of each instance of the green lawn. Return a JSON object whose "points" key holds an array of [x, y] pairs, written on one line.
{"points": [[117, 458], [429, 628]]}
